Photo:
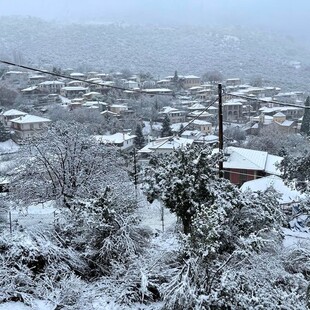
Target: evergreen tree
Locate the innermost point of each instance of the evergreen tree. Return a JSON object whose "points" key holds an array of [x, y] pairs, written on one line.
{"points": [[166, 130], [139, 139], [4, 133], [305, 125], [181, 181]]}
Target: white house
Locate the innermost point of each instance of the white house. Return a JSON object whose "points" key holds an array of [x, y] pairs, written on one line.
{"points": [[7, 116], [123, 141], [28, 125], [165, 145]]}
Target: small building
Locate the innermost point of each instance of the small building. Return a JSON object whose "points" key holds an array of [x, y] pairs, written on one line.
{"points": [[123, 141], [232, 110], [51, 87], [164, 145], [203, 126], [242, 165], [175, 115], [28, 125], [73, 91], [189, 81], [7, 116]]}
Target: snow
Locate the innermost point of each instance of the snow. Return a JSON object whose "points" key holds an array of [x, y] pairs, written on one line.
{"points": [[30, 119], [116, 138], [13, 112], [37, 305], [35, 217], [262, 184], [8, 146], [14, 306], [151, 216], [295, 238], [241, 158], [166, 144]]}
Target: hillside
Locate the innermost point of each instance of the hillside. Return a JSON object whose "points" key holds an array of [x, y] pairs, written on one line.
{"points": [[161, 51]]}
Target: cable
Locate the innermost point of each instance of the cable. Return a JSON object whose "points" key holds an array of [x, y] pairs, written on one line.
{"points": [[84, 81], [271, 101], [190, 122]]}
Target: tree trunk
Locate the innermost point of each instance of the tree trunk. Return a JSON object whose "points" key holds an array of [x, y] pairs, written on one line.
{"points": [[186, 221]]}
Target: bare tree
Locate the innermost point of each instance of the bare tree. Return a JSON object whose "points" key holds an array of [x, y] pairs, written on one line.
{"points": [[65, 164]]}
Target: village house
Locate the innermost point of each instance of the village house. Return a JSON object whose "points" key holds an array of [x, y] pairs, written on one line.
{"points": [[51, 87], [241, 165], [203, 126], [175, 115], [233, 82], [164, 145], [17, 78], [123, 141], [73, 91], [28, 125], [7, 116], [232, 110], [189, 81]]}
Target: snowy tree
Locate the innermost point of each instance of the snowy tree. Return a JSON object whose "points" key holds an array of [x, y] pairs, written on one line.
{"points": [[296, 171], [305, 124], [274, 141], [166, 129], [219, 266], [139, 139], [183, 181], [65, 164], [4, 133]]}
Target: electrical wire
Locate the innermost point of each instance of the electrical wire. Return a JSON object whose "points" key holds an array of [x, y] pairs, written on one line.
{"points": [[84, 81], [265, 101]]}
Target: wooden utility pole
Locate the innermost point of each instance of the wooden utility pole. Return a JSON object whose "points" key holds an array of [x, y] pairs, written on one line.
{"points": [[135, 171], [220, 114]]}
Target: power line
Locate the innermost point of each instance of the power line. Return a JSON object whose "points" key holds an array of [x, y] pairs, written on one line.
{"points": [[265, 101], [84, 81], [197, 116]]}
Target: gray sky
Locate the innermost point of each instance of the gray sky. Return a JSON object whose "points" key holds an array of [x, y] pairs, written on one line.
{"points": [[287, 16]]}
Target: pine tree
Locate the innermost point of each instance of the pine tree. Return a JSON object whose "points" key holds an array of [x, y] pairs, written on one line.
{"points": [[166, 129], [139, 139], [4, 133], [305, 125]]}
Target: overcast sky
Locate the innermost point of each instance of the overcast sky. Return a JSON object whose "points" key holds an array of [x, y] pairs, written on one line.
{"points": [[287, 16]]}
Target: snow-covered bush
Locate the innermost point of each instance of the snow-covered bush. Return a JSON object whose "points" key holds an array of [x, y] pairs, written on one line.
{"points": [[102, 232], [29, 262]]}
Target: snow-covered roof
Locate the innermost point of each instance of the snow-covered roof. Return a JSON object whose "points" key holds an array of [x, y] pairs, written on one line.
{"points": [[279, 114], [30, 119], [117, 138], [76, 74], [201, 122], [241, 158], [287, 123], [191, 77], [51, 83], [288, 195], [166, 144], [197, 106], [28, 89], [13, 112], [157, 90], [76, 88], [8, 146], [232, 103]]}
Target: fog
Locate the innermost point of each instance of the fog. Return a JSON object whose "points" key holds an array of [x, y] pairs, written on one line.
{"points": [[285, 16]]}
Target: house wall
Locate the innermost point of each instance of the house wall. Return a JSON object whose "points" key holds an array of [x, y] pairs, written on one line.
{"points": [[239, 176]]}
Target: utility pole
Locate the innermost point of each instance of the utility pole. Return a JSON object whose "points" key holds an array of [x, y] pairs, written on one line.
{"points": [[135, 170], [220, 114]]}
